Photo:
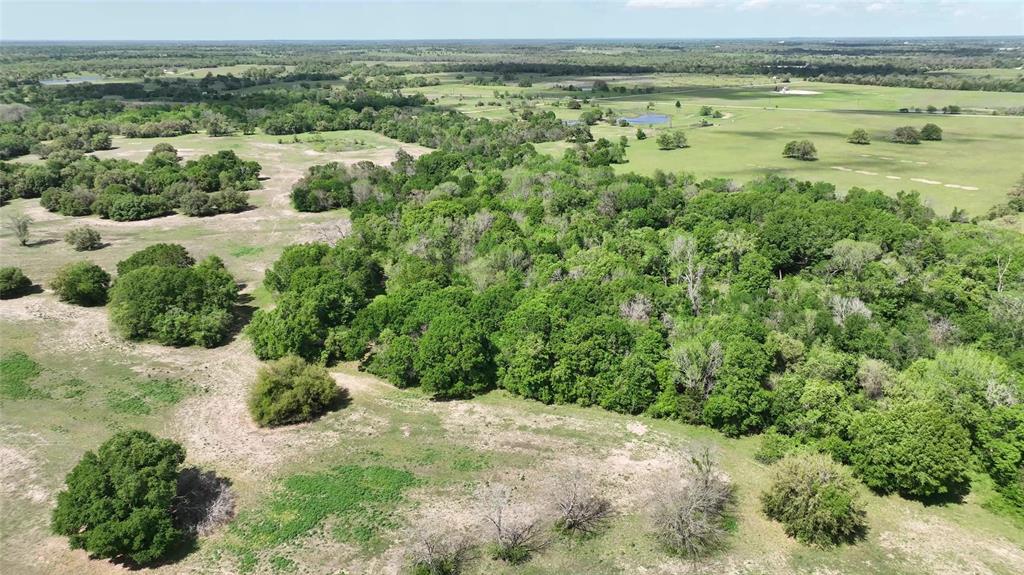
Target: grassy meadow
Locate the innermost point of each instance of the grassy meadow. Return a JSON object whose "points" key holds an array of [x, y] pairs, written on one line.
{"points": [[971, 169]]}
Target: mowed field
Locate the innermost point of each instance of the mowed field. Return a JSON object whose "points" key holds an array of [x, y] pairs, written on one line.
{"points": [[389, 466], [974, 166]]}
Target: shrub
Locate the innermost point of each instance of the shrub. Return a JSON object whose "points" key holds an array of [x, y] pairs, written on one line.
{"points": [[82, 283], [516, 536], [196, 204], [859, 136], [130, 208], [323, 188], [914, 448], [440, 554], [815, 499], [83, 238], [118, 501], [931, 132], [905, 135], [691, 517], [175, 305], [581, 511], [290, 390], [451, 360], [165, 255], [19, 224], [774, 446], [13, 283], [671, 140], [229, 201], [800, 150]]}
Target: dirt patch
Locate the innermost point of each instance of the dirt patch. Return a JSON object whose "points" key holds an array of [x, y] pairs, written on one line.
{"points": [[19, 476], [944, 549]]}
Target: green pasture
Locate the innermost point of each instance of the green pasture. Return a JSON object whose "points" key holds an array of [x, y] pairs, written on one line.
{"points": [[972, 168]]}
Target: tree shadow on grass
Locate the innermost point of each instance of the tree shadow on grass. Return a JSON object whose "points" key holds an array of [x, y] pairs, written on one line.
{"points": [[241, 314], [341, 400], [204, 502]]}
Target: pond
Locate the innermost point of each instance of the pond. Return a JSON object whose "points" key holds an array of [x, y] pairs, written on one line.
{"points": [[648, 119], [74, 80]]}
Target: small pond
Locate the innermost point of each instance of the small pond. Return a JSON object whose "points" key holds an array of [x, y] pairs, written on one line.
{"points": [[648, 119], [74, 80]]}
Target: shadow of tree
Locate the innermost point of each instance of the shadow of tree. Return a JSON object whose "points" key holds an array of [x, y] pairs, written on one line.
{"points": [[203, 503]]}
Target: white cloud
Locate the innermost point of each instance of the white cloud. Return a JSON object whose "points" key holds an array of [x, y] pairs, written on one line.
{"points": [[666, 3], [754, 5]]}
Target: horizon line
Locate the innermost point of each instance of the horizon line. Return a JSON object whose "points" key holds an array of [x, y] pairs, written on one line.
{"points": [[508, 39]]}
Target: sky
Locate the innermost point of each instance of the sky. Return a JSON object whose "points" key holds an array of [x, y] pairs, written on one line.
{"points": [[168, 20]]}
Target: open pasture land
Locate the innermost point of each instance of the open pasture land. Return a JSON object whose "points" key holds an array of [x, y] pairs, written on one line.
{"points": [[248, 241], [435, 455], [972, 168]]}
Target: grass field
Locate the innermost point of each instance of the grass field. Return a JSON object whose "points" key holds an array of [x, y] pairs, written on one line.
{"points": [[972, 168], [393, 463]]}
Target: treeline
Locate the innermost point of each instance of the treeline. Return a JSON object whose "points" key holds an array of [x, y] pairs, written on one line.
{"points": [[854, 326], [76, 185], [934, 81]]}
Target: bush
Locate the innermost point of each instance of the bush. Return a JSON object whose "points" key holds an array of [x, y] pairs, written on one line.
{"points": [[13, 283], [164, 255], [581, 510], [800, 150], [671, 140], [451, 361], [83, 238], [229, 201], [175, 305], [905, 135], [196, 204], [774, 446], [118, 501], [691, 517], [323, 188], [440, 554], [290, 390], [815, 499], [859, 136], [82, 283], [914, 448], [931, 132], [132, 208]]}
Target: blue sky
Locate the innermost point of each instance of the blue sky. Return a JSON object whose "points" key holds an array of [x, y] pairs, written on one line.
{"points": [[520, 19]]}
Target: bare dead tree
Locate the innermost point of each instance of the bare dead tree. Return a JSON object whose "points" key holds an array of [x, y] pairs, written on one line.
{"points": [[845, 307], [581, 510], [1002, 266], [689, 269], [638, 308], [440, 553], [516, 537], [874, 376], [690, 516], [697, 366]]}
